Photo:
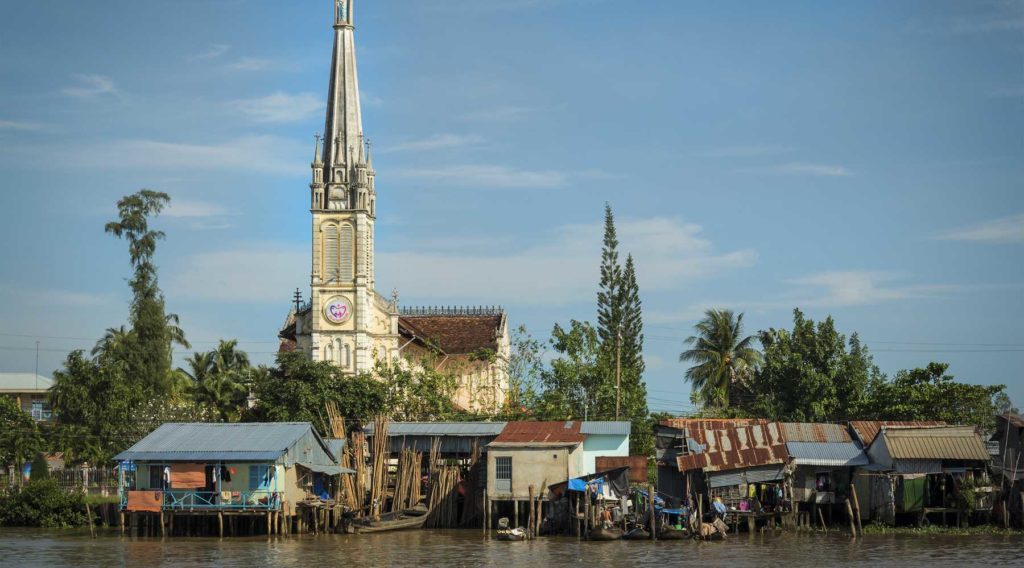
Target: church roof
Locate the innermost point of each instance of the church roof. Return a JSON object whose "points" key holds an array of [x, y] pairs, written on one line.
{"points": [[453, 330]]}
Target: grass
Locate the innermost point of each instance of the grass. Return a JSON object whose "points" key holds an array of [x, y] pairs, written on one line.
{"points": [[940, 530]]}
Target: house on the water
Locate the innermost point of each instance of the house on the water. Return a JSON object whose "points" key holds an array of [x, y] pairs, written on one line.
{"points": [[822, 458], [1007, 448], [251, 469], [926, 469]]}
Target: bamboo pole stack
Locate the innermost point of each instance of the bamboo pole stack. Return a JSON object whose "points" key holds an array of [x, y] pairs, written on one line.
{"points": [[350, 493], [407, 480], [357, 449], [380, 457], [444, 493]]}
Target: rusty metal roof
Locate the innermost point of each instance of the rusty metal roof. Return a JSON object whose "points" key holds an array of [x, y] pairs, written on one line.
{"points": [[541, 432], [935, 443], [735, 447], [709, 423], [1015, 420], [814, 432], [867, 430]]}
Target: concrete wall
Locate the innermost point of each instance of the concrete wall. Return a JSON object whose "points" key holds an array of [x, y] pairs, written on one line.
{"points": [[602, 445], [534, 466]]}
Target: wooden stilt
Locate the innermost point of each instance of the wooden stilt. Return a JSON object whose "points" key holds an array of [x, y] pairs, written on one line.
{"points": [[220, 524], [856, 509], [650, 507], [529, 516], [853, 524], [483, 509], [822, 518], [161, 524]]}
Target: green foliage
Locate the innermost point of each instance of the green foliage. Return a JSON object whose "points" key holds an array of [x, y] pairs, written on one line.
{"points": [[931, 394], [146, 349], [609, 307], [20, 438], [40, 469], [219, 379], [634, 390], [575, 385], [298, 389], [722, 358], [811, 374], [42, 503], [524, 368]]}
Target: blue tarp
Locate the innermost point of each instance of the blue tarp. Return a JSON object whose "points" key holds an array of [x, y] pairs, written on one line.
{"points": [[580, 484]]}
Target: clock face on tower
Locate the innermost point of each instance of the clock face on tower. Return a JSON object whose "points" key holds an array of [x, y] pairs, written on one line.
{"points": [[338, 309]]}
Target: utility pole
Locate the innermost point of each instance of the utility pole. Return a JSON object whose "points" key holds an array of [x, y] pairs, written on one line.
{"points": [[618, 372], [37, 364]]}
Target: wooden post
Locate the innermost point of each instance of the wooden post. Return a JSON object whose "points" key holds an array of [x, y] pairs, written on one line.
{"points": [[652, 523], [856, 509], [121, 521], [822, 518], [700, 515], [515, 511], [849, 513], [161, 521], [586, 512], [529, 530], [88, 515], [487, 515]]}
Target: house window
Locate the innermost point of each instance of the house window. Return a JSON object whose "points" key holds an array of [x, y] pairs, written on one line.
{"points": [[823, 481], [503, 475], [157, 480], [260, 477], [37, 410]]}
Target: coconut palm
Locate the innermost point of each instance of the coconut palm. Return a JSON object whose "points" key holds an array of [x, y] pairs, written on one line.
{"points": [[721, 357], [219, 378], [113, 344]]}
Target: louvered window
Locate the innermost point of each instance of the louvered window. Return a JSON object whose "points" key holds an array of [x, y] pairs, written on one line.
{"points": [[330, 253], [347, 250]]}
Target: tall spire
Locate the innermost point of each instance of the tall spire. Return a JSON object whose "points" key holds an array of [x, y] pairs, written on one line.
{"points": [[344, 126]]}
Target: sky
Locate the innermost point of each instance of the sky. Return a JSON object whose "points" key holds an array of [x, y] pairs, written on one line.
{"points": [[862, 160]]}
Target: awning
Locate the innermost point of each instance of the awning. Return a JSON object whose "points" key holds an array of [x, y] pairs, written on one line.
{"points": [[327, 469], [763, 474]]}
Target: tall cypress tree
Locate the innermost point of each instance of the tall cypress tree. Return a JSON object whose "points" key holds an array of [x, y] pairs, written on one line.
{"points": [[609, 315], [634, 390]]}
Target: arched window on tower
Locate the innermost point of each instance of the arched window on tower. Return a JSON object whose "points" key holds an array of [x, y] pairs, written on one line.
{"points": [[330, 253], [329, 352], [340, 353], [347, 250], [346, 359]]}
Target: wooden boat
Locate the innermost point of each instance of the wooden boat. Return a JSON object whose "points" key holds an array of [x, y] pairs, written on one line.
{"points": [[602, 533], [637, 533], [390, 523]]}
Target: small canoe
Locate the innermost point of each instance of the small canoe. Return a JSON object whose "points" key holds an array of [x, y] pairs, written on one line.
{"points": [[637, 533], [601, 533]]}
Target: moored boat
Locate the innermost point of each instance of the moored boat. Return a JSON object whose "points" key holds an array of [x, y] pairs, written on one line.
{"points": [[606, 533], [637, 533]]}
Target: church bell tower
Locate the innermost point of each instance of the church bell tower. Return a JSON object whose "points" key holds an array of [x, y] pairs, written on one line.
{"points": [[347, 323]]}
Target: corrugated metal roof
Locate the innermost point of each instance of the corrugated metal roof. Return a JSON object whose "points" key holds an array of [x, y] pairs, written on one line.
{"points": [[1014, 419], [469, 429], [24, 382], [835, 454], [936, 443], [685, 424], [540, 432], [815, 432], [867, 430], [255, 441], [735, 447], [607, 428]]}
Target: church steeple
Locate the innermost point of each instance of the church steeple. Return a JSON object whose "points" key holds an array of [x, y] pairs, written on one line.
{"points": [[343, 130]]}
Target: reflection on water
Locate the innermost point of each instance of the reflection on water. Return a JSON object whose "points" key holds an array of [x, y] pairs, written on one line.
{"points": [[22, 547]]}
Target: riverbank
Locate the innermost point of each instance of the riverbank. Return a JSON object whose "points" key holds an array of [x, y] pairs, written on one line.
{"points": [[48, 548], [979, 530]]}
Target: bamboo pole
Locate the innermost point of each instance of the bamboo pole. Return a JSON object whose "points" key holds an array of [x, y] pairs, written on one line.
{"points": [[88, 515], [822, 518], [853, 525], [650, 507], [529, 522], [856, 509]]}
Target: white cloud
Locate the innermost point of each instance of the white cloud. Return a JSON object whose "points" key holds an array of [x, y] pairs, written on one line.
{"points": [[215, 50], [265, 154], [484, 176], [281, 107], [257, 274], [368, 100], [827, 170], [21, 126], [435, 142], [55, 297], [562, 269], [250, 64], [90, 86], [825, 290], [1005, 230]]}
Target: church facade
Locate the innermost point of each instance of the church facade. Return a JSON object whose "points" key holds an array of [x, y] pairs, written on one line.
{"points": [[346, 321]]}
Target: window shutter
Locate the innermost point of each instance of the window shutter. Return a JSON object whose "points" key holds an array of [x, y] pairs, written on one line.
{"points": [[331, 253], [347, 250]]}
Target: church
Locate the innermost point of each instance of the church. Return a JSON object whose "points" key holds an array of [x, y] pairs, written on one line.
{"points": [[346, 321]]}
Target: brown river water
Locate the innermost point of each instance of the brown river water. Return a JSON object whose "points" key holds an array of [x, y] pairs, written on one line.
{"points": [[24, 547]]}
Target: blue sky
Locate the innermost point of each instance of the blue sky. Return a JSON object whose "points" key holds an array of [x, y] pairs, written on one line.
{"points": [[856, 159]]}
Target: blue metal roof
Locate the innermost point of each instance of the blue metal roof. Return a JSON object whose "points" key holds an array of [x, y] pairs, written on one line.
{"points": [[606, 428], [468, 429], [836, 454], [262, 441]]}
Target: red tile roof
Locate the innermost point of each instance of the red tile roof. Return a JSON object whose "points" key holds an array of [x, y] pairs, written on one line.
{"points": [[541, 432], [867, 430], [453, 334]]}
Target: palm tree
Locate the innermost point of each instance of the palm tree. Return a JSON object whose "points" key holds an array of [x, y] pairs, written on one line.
{"points": [[219, 378], [113, 343], [720, 355]]}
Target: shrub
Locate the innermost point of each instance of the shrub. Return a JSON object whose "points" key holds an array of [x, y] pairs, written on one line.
{"points": [[40, 469], [42, 503]]}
